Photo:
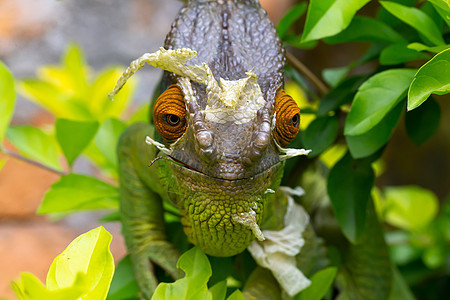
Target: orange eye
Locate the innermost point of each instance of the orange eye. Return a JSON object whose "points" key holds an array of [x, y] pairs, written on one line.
{"points": [[287, 119], [169, 114]]}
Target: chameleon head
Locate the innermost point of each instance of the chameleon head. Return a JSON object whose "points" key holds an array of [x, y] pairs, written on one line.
{"points": [[224, 140]]}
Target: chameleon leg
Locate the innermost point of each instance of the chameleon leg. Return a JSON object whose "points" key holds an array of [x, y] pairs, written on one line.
{"points": [[141, 209]]}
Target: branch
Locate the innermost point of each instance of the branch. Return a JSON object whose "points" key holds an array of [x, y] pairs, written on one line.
{"points": [[299, 66], [32, 162]]}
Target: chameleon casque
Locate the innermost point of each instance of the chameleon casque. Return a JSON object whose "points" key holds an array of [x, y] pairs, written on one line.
{"points": [[223, 122]]}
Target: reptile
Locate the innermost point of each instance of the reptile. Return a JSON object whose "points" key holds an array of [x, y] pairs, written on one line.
{"points": [[221, 124]]}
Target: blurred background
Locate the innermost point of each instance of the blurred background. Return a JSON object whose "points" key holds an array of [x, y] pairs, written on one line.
{"points": [[34, 33]]}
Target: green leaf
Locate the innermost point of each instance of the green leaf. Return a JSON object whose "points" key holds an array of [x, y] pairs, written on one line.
{"points": [[416, 19], [7, 99], [194, 285], [365, 271], [423, 122], [320, 283], [74, 136], [74, 64], [52, 98], [30, 288], [123, 284], [79, 192], [237, 295], [410, 207], [367, 30], [432, 78], [349, 186], [342, 94], [422, 47], [2, 163], [443, 9], [371, 141], [219, 290], [99, 103], [334, 76], [289, 18], [399, 53], [320, 134], [88, 254], [107, 137], [35, 144], [329, 17], [375, 98]]}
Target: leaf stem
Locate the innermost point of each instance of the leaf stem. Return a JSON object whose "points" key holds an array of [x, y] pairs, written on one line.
{"points": [[32, 162], [299, 66]]}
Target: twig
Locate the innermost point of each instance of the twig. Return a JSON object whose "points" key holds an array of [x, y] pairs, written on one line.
{"points": [[32, 162], [299, 66]]}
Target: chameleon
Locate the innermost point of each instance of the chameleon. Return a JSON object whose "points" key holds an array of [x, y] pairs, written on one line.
{"points": [[222, 125]]}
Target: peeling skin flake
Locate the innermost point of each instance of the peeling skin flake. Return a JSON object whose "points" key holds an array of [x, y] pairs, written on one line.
{"points": [[234, 101], [248, 219]]}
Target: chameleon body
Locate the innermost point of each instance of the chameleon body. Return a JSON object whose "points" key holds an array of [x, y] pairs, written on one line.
{"points": [[222, 171]]}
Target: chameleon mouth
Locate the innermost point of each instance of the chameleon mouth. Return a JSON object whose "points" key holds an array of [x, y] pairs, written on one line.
{"points": [[189, 168]]}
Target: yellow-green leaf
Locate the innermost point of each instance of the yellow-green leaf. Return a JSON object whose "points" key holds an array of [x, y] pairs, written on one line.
{"points": [[35, 144], [7, 99], [410, 207], [88, 254]]}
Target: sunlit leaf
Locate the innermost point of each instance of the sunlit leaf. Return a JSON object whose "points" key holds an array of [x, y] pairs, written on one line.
{"points": [[320, 134], [236, 295], [88, 254], [333, 154], [194, 285], [74, 136], [410, 207], [320, 283], [79, 192], [2, 163], [290, 17], [349, 186], [99, 103], [422, 47], [432, 78], [7, 99], [51, 98], [368, 143], [82, 271], [35, 144], [416, 19], [422, 123], [30, 288], [75, 65], [329, 17], [399, 53], [368, 30], [375, 98]]}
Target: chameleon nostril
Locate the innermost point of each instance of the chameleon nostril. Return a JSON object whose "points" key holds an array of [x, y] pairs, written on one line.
{"points": [[205, 139]]}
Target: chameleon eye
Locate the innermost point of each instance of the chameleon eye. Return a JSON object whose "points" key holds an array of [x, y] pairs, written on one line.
{"points": [[287, 119], [169, 114]]}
